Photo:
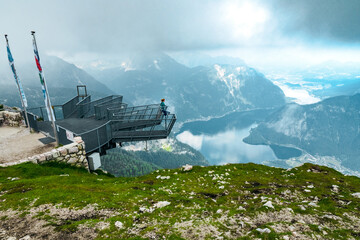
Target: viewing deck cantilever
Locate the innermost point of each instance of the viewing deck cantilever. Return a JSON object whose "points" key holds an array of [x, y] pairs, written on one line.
{"points": [[103, 122]]}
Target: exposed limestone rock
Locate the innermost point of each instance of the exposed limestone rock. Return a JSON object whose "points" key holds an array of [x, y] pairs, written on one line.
{"points": [[12, 119], [161, 204], [263, 230], [268, 204], [119, 224], [356, 194], [103, 225], [187, 167]]}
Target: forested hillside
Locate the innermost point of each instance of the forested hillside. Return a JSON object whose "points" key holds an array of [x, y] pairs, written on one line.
{"points": [[124, 163], [139, 158]]}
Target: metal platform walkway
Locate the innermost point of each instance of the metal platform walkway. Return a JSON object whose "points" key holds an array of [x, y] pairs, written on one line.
{"points": [[103, 122]]}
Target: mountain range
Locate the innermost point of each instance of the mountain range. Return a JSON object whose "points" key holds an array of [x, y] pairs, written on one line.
{"points": [[61, 78], [328, 130], [192, 93]]}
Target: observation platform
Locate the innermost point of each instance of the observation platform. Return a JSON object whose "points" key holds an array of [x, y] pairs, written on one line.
{"points": [[103, 122]]}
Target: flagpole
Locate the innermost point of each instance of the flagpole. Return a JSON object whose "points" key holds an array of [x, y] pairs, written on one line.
{"points": [[42, 79], [18, 85]]}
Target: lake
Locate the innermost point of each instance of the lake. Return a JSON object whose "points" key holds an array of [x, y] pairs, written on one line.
{"points": [[227, 146]]}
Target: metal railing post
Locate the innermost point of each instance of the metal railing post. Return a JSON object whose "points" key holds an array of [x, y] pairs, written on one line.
{"points": [[97, 135], [42, 113]]}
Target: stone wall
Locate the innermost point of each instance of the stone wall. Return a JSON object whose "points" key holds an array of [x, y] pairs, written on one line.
{"points": [[73, 154], [12, 119]]}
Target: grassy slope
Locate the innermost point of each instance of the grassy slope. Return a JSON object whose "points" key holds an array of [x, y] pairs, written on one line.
{"points": [[204, 204]]}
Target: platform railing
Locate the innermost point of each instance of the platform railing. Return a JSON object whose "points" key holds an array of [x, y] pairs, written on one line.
{"points": [[155, 131], [87, 109], [60, 111], [115, 109], [167, 123], [149, 122], [82, 106], [70, 107], [94, 139], [101, 110], [40, 112], [115, 99], [32, 121], [153, 109]]}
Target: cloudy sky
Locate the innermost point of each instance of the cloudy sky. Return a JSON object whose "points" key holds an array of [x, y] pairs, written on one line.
{"points": [[263, 33]]}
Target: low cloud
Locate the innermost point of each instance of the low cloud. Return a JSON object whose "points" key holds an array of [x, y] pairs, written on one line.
{"points": [[76, 30], [300, 96], [319, 20], [190, 139]]}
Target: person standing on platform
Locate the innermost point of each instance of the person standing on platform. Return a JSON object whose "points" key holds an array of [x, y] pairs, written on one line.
{"points": [[163, 107]]}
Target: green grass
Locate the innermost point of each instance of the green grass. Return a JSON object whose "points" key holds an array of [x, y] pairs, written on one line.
{"points": [[196, 195]]}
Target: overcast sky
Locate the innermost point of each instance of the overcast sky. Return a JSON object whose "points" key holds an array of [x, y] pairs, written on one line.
{"points": [[262, 33]]}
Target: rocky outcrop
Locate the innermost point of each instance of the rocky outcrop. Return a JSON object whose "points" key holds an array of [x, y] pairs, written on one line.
{"points": [[12, 119], [73, 154]]}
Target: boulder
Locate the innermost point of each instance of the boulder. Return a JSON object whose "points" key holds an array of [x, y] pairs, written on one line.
{"points": [[187, 167], [161, 204], [268, 204], [263, 230], [119, 224]]}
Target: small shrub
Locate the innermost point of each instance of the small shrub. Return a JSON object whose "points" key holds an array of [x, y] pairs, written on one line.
{"points": [[39, 119], [1, 107]]}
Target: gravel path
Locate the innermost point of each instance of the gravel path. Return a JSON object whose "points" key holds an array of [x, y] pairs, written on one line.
{"points": [[18, 143]]}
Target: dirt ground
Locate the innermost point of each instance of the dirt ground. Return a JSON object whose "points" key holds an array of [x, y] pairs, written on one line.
{"points": [[32, 226], [18, 143]]}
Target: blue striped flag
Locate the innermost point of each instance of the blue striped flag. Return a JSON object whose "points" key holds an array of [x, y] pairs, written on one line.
{"points": [[18, 82]]}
